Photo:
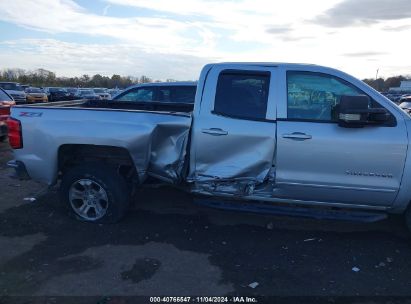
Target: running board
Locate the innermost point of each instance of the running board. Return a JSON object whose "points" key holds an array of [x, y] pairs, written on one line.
{"points": [[317, 213]]}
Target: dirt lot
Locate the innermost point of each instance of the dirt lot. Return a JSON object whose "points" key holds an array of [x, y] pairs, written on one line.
{"points": [[168, 246]]}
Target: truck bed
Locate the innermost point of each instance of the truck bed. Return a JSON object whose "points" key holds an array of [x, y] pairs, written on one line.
{"points": [[155, 138]]}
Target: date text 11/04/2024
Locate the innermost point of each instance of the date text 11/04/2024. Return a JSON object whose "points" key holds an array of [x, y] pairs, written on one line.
{"points": [[237, 299]]}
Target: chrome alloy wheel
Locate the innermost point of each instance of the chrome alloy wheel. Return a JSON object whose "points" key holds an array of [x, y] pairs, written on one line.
{"points": [[88, 199]]}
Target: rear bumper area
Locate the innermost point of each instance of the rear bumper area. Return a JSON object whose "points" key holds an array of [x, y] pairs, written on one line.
{"points": [[20, 169]]}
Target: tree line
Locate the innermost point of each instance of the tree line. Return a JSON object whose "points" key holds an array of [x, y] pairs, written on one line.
{"points": [[45, 78], [383, 85]]}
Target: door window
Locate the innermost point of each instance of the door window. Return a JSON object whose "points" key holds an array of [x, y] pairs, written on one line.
{"points": [[242, 95], [314, 96]]}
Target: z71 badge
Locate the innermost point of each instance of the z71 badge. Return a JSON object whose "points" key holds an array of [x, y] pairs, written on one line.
{"points": [[30, 114]]}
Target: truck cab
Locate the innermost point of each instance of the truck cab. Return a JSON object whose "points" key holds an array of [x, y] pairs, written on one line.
{"points": [[275, 132]]}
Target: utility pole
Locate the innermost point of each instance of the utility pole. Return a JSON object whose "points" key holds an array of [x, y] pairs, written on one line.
{"points": [[376, 75]]}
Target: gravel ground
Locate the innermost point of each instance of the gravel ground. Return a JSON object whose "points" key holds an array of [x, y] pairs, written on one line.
{"points": [[169, 246]]}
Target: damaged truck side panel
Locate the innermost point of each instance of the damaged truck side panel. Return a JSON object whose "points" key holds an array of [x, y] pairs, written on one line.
{"points": [[240, 151], [287, 133], [157, 143]]}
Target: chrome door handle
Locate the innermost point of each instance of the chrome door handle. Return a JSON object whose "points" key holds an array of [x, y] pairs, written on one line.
{"points": [[214, 131], [297, 136]]}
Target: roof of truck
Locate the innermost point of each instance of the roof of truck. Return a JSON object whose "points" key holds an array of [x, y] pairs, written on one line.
{"points": [[269, 64], [287, 65]]}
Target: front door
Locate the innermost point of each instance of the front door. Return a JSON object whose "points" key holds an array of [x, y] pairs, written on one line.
{"points": [[318, 160]]}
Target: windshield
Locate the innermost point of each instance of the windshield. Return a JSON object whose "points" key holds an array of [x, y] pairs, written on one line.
{"points": [[34, 90], [11, 86], [72, 90], [4, 96], [99, 91]]}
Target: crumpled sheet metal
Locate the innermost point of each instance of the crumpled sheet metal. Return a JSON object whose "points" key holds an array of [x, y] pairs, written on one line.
{"points": [[164, 142], [242, 159]]}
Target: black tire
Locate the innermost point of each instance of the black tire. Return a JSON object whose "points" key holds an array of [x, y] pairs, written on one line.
{"points": [[3, 138], [115, 187]]}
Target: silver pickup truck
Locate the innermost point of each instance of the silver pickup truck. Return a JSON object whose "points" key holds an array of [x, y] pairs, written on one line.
{"points": [[262, 137]]}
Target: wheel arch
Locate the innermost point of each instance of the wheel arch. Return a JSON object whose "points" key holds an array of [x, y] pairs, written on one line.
{"points": [[71, 155]]}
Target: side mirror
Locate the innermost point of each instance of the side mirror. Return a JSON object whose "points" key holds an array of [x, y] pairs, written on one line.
{"points": [[354, 112]]}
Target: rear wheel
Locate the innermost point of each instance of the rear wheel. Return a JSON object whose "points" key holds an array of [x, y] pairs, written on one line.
{"points": [[3, 138], [95, 193]]}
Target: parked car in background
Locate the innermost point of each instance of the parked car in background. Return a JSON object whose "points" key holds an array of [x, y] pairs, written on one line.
{"points": [[114, 92], [56, 94], [6, 101], [73, 92], [102, 93], [14, 90], [25, 86], [406, 104], [397, 98], [165, 92], [88, 94], [36, 95], [404, 98], [177, 96]]}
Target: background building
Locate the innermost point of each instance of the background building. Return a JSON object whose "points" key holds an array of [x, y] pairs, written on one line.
{"points": [[405, 87]]}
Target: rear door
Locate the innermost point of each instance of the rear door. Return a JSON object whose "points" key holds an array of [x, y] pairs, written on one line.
{"points": [[318, 160], [234, 127]]}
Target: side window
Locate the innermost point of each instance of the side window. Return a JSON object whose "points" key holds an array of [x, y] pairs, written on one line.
{"points": [[314, 96], [242, 94], [142, 94]]}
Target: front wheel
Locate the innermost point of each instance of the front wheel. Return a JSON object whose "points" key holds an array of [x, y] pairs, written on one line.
{"points": [[95, 193]]}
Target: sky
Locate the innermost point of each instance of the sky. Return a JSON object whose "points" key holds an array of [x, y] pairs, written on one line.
{"points": [[165, 39]]}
